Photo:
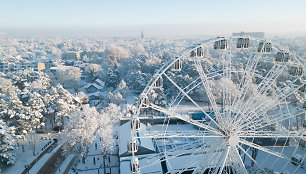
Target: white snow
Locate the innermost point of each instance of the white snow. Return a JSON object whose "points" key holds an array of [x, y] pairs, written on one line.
{"points": [[24, 158]]}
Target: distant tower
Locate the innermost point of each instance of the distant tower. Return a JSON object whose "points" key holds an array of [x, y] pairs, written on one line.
{"points": [[142, 36]]}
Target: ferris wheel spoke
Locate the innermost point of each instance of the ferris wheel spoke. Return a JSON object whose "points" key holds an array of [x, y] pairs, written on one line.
{"points": [[253, 145], [199, 107], [259, 111], [209, 93], [255, 99], [188, 148], [180, 134], [170, 154], [270, 134], [237, 161], [214, 154], [222, 161], [245, 83], [258, 118], [247, 154], [163, 158], [270, 120], [263, 86], [197, 155], [188, 89], [186, 118], [194, 84]]}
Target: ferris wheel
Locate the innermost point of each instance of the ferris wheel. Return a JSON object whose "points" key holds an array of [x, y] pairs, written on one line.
{"points": [[229, 105]]}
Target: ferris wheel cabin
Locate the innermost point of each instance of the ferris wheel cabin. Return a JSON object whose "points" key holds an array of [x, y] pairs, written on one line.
{"points": [[177, 65], [296, 70], [135, 124], [282, 56], [135, 165], [197, 52], [132, 146], [265, 47], [158, 83], [145, 102], [243, 42], [220, 44]]}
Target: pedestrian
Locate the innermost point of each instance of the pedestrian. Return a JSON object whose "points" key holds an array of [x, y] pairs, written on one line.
{"points": [[96, 145], [22, 148], [94, 160]]}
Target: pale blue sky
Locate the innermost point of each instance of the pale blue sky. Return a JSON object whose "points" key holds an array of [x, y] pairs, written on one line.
{"points": [[159, 15]]}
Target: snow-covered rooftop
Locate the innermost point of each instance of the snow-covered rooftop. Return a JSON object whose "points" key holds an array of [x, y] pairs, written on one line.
{"points": [[100, 82], [145, 144], [92, 84]]}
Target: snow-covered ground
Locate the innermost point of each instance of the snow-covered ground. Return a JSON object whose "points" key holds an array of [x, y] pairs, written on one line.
{"points": [[26, 157], [95, 163]]}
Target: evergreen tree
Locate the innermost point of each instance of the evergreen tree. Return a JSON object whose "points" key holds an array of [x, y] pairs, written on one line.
{"points": [[7, 144]]}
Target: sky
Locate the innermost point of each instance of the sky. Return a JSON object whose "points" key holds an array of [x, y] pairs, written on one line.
{"points": [[155, 17]]}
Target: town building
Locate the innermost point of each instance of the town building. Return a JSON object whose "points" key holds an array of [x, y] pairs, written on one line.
{"points": [[259, 35], [69, 56], [8, 67]]}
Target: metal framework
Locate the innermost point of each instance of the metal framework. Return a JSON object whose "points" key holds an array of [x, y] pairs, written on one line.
{"points": [[241, 89]]}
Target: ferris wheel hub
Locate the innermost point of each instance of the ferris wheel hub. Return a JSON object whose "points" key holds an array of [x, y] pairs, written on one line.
{"points": [[233, 140]]}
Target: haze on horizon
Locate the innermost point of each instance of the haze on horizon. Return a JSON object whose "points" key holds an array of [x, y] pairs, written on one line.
{"points": [[158, 18]]}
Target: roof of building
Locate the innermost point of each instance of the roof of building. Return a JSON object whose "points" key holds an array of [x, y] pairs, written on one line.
{"points": [[92, 84], [97, 94], [145, 145], [100, 82]]}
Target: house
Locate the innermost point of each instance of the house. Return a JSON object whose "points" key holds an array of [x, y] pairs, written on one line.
{"points": [[7, 67], [92, 87], [94, 96], [69, 56], [100, 82]]}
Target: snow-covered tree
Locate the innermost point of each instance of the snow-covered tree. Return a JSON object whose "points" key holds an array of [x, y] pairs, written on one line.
{"points": [[68, 76], [28, 99], [81, 128], [7, 144], [113, 78], [93, 71], [115, 53], [85, 123]]}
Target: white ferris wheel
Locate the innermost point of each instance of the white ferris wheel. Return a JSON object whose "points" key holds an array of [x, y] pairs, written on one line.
{"points": [[225, 106]]}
